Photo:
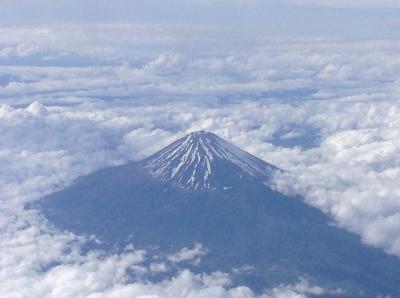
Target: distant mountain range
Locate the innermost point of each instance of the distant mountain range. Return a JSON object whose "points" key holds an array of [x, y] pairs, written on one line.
{"points": [[203, 189]]}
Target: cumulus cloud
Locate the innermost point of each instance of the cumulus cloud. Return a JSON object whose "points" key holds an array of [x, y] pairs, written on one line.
{"points": [[274, 69], [57, 123], [350, 174], [189, 254], [75, 44], [38, 261]]}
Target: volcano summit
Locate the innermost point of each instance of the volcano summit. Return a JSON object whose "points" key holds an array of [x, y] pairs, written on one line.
{"points": [[203, 189], [204, 161]]}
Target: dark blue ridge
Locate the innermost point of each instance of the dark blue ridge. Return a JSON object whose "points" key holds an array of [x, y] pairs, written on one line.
{"points": [[246, 224]]}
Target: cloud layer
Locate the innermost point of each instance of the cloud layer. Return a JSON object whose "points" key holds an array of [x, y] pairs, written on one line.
{"points": [[324, 111], [72, 64], [351, 174]]}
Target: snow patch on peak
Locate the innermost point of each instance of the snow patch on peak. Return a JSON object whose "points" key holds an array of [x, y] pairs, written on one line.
{"points": [[200, 161]]}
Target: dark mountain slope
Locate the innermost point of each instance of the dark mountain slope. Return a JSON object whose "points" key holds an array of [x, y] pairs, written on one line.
{"points": [[203, 189]]}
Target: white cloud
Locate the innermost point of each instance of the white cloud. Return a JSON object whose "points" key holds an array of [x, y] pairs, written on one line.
{"points": [[300, 289], [275, 68], [31, 253], [352, 174], [54, 128], [158, 267], [189, 254]]}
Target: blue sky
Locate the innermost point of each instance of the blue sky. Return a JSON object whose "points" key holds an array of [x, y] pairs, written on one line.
{"points": [[302, 18]]}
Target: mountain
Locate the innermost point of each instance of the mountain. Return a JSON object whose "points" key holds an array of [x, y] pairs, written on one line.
{"points": [[203, 189], [204, 161]]}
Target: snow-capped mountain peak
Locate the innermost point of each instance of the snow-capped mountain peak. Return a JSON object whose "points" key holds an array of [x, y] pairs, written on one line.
{"points": [[203, 161]]}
